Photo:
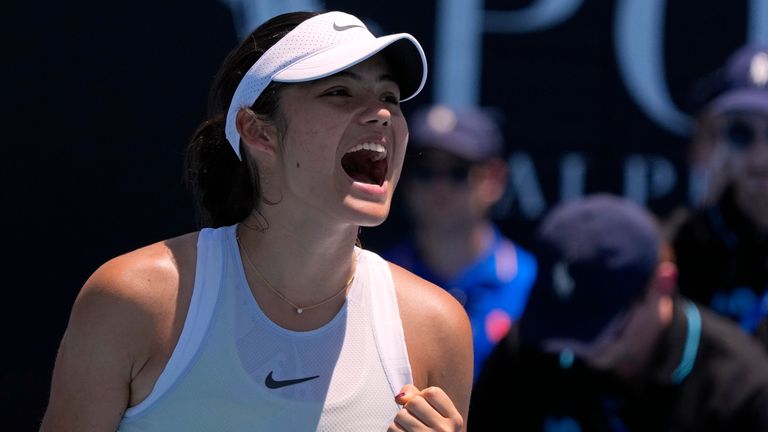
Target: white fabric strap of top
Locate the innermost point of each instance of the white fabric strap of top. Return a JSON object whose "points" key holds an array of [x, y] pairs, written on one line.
{"points": [[388, 327]]}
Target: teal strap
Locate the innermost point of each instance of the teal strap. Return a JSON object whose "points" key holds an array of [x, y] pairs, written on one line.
{"points": [[693, 318], [566, 358]]}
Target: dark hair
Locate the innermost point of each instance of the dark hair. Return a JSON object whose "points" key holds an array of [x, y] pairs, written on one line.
{"points": [[226, 188]]}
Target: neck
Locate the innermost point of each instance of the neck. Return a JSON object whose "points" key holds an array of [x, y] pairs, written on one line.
{"points": [[306, 264], [656, 327]]}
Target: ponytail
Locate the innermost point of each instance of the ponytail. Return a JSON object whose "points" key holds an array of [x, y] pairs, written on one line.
{"points": [[222, 183], [226, 188]]}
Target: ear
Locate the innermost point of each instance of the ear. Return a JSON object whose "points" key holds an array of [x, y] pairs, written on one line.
{"points": [[665, 279], [256, 133]]}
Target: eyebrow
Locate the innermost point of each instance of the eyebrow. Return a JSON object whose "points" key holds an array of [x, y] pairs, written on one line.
{"points": [[358, 77]]}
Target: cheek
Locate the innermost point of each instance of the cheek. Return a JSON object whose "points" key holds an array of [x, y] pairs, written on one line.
{"points": [[309, 144], [636, 339], [400, 131], [400, 137]]}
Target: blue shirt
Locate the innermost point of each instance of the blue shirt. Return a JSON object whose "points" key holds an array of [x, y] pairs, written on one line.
{"points": [[493, 289]]}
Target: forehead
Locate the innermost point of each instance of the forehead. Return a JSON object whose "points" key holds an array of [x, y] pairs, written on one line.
{"points": [[374, 69]]}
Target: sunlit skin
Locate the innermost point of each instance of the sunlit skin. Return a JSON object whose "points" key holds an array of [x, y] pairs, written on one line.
{"points": [[626, 344]]}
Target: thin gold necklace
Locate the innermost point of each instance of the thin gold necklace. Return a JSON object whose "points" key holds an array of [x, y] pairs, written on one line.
{"points": [[299, 309]]}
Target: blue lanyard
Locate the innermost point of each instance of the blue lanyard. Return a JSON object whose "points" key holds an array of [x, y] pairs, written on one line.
{"points": [[693, 318], [684, 368]]}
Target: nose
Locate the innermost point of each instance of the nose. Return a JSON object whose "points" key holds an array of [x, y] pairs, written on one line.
{"points": [[377, 114]]}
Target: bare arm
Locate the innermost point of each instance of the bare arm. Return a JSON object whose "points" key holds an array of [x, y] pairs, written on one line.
{"points": [[113, 332], [439, 340]]}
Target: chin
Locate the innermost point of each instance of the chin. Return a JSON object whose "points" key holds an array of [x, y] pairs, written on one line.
{"points": [[373, 220], [367, 212], [370, 214]]}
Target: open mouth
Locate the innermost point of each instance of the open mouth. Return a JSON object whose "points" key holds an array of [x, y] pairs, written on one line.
{"points": [[366, 163]]}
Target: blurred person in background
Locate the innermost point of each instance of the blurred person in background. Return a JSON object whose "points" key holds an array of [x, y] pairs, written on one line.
{"points": [[606, 343], [454, 175], [722, 248]]}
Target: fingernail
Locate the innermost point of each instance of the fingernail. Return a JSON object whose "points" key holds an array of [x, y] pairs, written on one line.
{"points": [[399, 395]]}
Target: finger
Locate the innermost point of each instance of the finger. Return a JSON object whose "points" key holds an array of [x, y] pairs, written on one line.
{"points": [[406, 421], [422, 413], [406, 393], [430, 408], [395, 427], [439, 400]]}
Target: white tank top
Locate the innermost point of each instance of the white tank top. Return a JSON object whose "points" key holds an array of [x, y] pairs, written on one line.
{"points": [[233, 369]]}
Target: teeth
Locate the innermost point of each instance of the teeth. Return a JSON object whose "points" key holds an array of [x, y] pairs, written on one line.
{"points": [[380, 150]]}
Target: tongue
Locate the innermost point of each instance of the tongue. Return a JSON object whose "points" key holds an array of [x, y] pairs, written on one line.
{"points": [[361, 168]]}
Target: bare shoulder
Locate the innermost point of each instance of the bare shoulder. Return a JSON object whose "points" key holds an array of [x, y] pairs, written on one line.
{"points": [[435, 322], [425, 303], [123, 326], [140, 296], [142, 280]]}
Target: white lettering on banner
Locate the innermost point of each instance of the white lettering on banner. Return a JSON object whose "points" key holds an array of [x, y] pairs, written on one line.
{"points": [[538, 16], [639, 49], [458, 52], [639, 46], [638, 42], [647, 177], [758, 21], [573, 172], [459, 47], [523, 193]]}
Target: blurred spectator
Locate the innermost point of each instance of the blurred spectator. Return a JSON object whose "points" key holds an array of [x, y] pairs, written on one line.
{"points": [[762, 331], [454, 174], [606, 344], [722, 249]]}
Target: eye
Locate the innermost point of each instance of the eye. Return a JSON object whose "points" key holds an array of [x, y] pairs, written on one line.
{"points": [[337, 91], [391, 98]]}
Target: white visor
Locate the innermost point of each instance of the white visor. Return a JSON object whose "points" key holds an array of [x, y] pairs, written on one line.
{"points": [[321, 46]]}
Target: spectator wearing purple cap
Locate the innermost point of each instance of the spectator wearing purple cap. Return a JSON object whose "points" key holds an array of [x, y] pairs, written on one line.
{"points": [[722, 249], [454, 174], [606, 343]]}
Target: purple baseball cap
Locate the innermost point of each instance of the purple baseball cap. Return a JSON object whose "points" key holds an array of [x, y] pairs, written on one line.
{"points": [[469, 133], [746, 82], [596, 255]]}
